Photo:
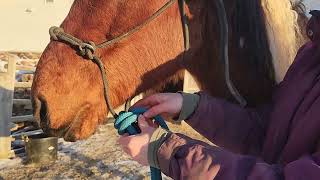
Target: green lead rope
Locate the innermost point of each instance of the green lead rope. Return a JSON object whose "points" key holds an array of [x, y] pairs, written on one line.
{"points": [[127, 122]]}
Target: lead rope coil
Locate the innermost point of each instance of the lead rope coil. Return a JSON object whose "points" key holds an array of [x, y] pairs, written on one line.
{"points": [[127, 122]]}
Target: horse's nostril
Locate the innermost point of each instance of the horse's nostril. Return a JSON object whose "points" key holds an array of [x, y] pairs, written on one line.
{"points": [[44, 123]]}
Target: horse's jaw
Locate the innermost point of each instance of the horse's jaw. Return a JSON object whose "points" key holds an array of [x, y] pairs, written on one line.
{"points": [[83, 125]]}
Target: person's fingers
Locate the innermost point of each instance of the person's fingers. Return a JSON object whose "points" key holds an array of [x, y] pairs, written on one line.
{"points": [[148, 101], [152, 123], [155, 110], [141, 117], [142, 122], [123, 140], [125, 135]]}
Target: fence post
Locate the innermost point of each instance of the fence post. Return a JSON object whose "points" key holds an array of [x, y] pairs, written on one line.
{"points": [[7, 80]]}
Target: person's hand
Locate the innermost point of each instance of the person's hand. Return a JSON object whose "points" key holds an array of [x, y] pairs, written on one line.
{"points": [[164, 104], [136, 146]]}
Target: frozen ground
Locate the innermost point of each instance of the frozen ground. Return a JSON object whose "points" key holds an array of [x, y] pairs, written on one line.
{"points": [[99, 157]]}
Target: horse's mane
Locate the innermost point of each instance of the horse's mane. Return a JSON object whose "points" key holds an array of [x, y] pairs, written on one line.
{"points": [[266, 34], [300, 9], [273, 29], [284, 33]]}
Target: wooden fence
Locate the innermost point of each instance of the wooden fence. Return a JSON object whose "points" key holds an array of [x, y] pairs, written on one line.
{"points": [[7, 121]]}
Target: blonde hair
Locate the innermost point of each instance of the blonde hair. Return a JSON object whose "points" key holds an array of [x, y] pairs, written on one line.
{"points": [[283, 33]]}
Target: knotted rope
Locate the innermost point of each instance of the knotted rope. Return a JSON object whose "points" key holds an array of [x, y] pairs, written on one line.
{"points": [[127, 122]]}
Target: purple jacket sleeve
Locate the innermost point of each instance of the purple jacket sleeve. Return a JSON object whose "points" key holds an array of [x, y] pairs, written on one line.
{"points": [[227, 125], [181, 157]]}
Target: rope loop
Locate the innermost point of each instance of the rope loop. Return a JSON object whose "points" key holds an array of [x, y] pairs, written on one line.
{"points": [[127, 121], [54, 31], [87, 49]]}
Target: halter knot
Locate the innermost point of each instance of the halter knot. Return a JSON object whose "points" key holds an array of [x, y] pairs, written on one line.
{"points": [[54, 31], [87, 50]]}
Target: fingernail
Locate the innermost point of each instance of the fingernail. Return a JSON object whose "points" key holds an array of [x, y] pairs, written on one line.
{"points": [[145, 115]]}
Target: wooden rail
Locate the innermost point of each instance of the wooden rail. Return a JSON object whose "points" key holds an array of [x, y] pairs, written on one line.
{"points": [[22, 84], [26, 102], [29, 133], [25, 68], [19, 119]]}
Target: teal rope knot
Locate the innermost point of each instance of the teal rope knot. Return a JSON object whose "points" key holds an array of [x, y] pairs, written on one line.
{"points": [[127, 122]]}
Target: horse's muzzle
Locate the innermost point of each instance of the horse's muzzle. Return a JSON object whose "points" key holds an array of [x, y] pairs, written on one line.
{"points": [[41, 115]]}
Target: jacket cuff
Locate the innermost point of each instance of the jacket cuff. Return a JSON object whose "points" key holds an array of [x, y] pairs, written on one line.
{"points": [[157, 138], [189, 104], [168, 149]]}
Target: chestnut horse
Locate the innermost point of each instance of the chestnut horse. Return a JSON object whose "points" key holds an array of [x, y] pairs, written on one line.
{"points": [[67, 92]]}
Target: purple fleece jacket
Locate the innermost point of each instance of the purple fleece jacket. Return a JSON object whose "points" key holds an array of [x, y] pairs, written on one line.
{"points": [[279, 141]]}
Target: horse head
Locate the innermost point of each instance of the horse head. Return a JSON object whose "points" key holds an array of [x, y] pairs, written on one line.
{"points": [[67, 92]]}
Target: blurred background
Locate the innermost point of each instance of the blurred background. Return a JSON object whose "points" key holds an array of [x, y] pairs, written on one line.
{"points": [[25, 23]]}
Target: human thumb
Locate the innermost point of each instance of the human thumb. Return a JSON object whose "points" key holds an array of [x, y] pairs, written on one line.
{"points": [[142, 122]]}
